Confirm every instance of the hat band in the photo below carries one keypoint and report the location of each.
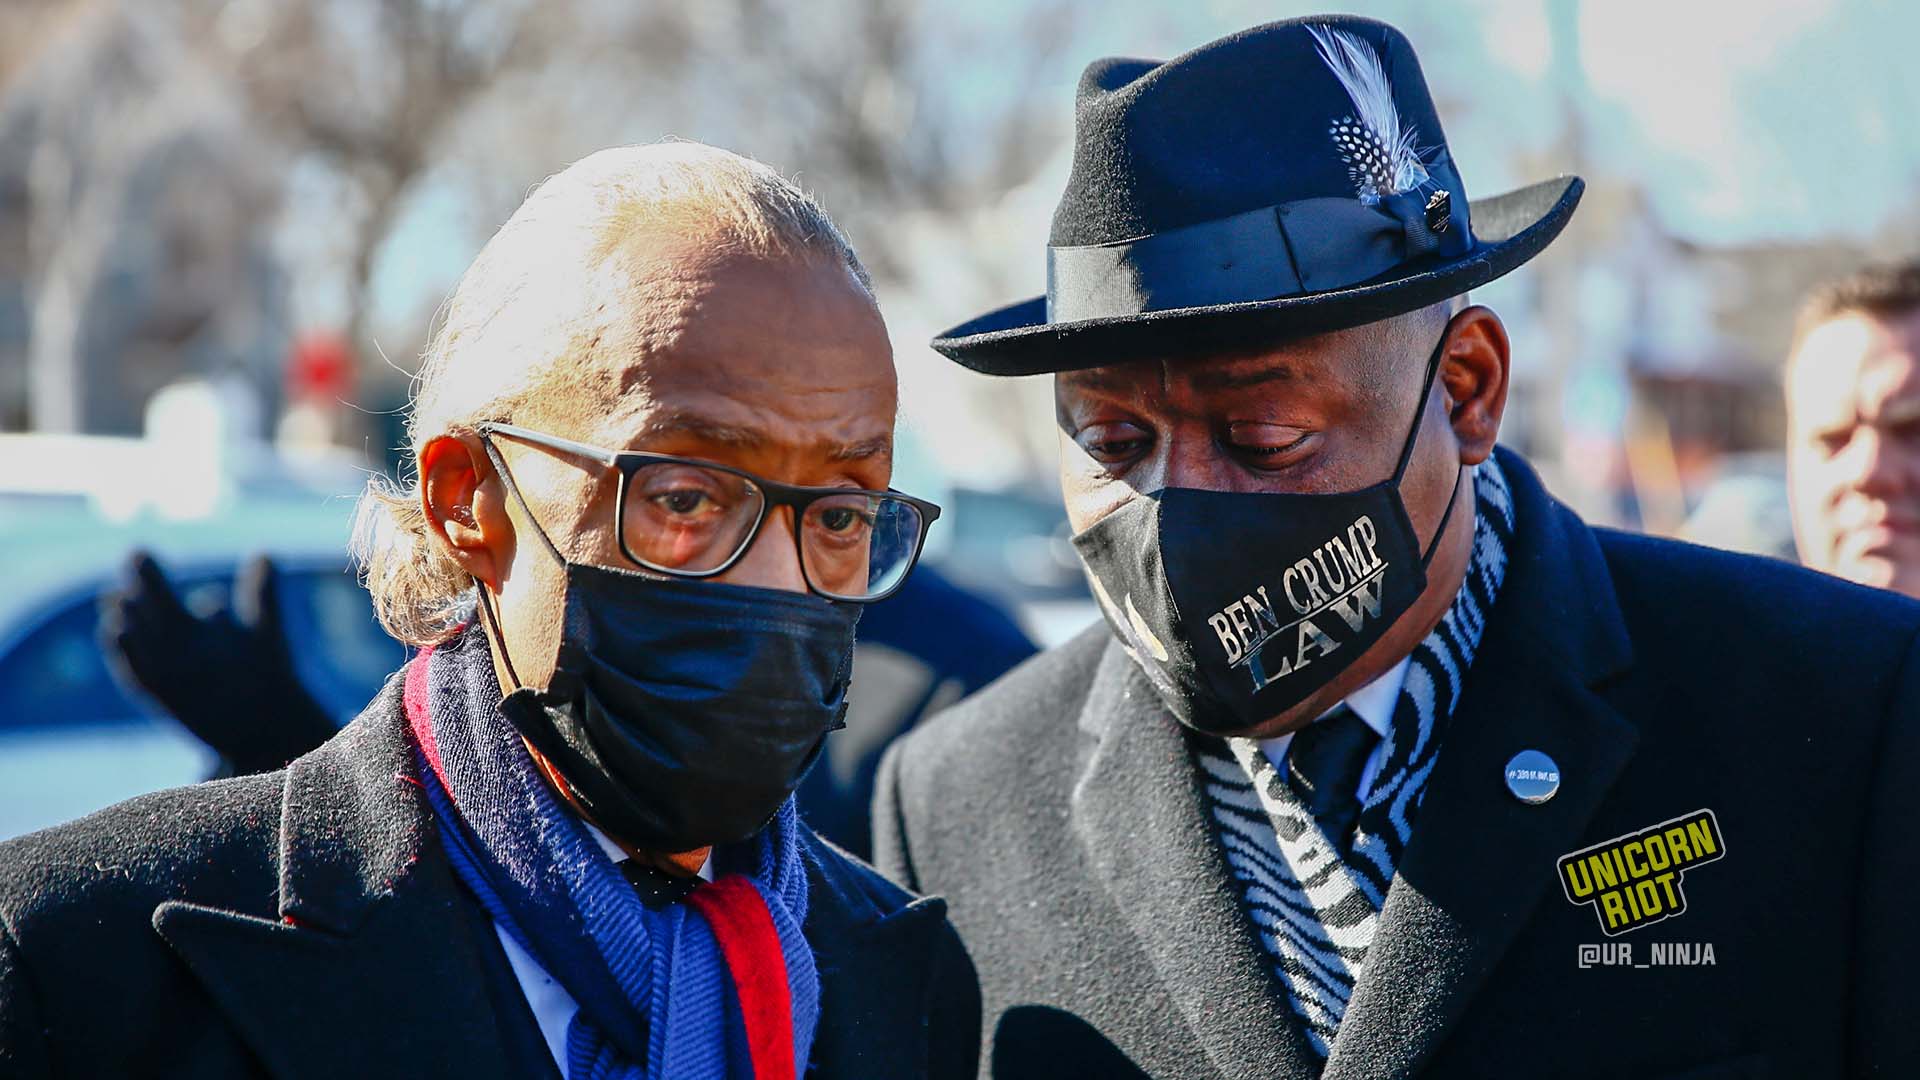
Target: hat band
(1306, 246)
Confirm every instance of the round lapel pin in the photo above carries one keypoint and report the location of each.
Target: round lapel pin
(1533, 777)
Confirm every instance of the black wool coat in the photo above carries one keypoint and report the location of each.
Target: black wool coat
(1059, 813)
(305, 924)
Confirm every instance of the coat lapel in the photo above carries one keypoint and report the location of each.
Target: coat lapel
(1139, 812)
(873, 1014)
(1480, 860)
(374, 955)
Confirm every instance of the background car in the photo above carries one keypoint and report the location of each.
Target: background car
(72, 737)
(1015, 545)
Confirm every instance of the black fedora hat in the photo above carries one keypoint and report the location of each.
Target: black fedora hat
(1291, 179)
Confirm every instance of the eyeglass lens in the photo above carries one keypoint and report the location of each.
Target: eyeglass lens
(692, 519)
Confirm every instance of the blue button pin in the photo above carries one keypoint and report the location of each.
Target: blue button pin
(1533, 777)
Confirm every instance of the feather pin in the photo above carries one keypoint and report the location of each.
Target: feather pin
(1382, 157)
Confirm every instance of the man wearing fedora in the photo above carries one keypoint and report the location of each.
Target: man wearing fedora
(1387, 764)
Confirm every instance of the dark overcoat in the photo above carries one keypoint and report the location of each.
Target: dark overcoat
(1059, 814)
(305, 924)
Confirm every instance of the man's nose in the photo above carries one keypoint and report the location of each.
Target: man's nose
(773, 562)
(1196, 460)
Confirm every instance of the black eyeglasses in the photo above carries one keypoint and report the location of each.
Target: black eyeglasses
(694, 519)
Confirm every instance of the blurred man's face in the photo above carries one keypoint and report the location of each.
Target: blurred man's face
(1853, 455)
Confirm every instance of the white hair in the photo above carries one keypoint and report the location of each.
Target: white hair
(566, 279)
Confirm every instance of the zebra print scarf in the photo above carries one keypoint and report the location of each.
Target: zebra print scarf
(1314, 912)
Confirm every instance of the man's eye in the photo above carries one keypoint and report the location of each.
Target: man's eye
(684, 501)
(1109, 443)
(842, 519)
(1265, 442)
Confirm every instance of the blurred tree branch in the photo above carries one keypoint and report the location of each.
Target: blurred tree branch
(909, 119)
(372, 87)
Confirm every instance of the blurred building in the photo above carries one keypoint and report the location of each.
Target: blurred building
(1661, 355)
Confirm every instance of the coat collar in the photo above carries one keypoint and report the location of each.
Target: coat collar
(1479, 859)
(874, 947)
(1139, 812)
(373, 955)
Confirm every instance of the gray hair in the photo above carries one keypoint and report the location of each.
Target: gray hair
(564, 280)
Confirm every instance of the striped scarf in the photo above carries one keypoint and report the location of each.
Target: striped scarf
(1315, 912)
(720, 986)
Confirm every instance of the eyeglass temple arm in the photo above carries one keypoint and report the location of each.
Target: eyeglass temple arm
(555, 442)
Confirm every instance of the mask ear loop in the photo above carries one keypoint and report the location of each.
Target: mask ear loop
(1426, 559)
(493, 624)
(1413, 435)
(486, 603)
(513, 489)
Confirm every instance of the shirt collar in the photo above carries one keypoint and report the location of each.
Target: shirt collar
(619, 855)
(1373, 703)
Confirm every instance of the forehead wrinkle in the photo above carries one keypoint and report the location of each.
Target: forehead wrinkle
(668, 420)
(674, 421)
(1213, 378)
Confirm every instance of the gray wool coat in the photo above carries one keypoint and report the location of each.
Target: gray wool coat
(1059, 813)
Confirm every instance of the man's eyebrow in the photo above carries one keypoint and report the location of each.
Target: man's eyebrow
(1122, 378)
(1092, 379)
(678, 422)
(878, 446)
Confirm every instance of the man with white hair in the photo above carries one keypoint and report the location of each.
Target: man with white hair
(652, 441)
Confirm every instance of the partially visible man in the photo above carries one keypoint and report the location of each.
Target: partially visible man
(1385, 764)
(652, 442)
(1853, 428)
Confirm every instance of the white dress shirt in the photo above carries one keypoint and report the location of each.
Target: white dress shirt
(552, 1006)
(1374, 704)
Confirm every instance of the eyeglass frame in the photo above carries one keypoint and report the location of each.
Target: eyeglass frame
(773, 493)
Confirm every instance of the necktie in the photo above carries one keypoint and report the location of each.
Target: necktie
(1324, 763)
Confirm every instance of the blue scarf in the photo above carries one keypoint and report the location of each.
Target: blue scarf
(657, 995)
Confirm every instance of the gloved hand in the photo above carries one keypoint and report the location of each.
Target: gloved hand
(228, 677)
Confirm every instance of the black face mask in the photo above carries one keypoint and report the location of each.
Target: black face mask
(1239, 606)
(684, 713)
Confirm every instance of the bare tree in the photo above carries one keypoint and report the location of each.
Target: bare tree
(371, 87)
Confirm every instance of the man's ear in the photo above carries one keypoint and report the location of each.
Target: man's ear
(1473, 373)
(461, 499)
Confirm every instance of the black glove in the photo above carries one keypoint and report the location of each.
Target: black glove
(228, 677)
